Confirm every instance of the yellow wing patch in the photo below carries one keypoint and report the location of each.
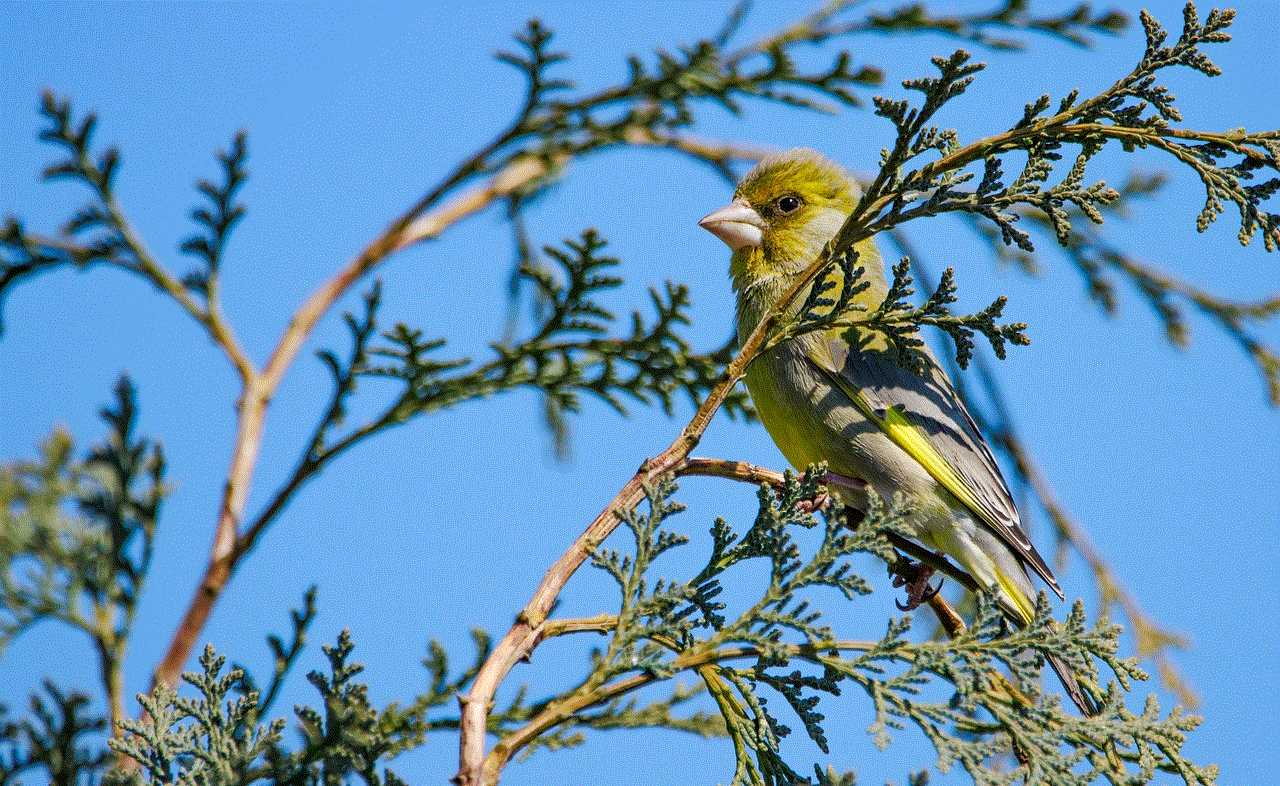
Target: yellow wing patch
(1025, 607)
(909, 438)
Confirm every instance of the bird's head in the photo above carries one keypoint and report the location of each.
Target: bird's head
(782, 214)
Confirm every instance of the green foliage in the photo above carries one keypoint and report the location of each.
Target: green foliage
(1136, 112)
(99, 232)
(57, 744)
(1072, 25)
(218, 221)
(284, 656)
(663, 628)
(896, 314)
(834, 20)
(1099, 262)
(221, 736)
(660, 97)
(897, 317)
(569, 352)
(85, 570)
(54, 562)
(209, 739)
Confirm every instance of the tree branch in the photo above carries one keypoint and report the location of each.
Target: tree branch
(520, 640)
(229, 544)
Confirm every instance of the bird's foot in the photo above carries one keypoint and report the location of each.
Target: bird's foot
(915, 577)
(814, 503)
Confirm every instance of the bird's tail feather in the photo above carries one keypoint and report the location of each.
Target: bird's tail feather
(1072, 686)
(1018, 607)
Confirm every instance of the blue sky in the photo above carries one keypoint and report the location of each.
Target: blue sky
(1167, 458)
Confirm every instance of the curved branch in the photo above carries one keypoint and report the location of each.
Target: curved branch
(692, 660)
(524, 636)
(229, 543)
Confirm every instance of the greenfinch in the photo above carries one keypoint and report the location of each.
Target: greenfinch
(839, 395)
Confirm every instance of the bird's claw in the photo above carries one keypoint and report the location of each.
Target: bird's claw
(915, 577)
(814, 503)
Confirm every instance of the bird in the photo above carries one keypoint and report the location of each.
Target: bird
(840, 396)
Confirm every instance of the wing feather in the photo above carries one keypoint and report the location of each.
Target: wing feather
(924, 416)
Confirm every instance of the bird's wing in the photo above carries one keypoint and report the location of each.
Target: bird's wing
(924, 416)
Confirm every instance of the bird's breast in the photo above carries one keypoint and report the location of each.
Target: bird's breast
(813, 421)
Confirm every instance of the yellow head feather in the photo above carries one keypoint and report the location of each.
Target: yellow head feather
(782, 214)
(802, 198)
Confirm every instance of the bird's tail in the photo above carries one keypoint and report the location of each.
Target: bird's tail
(1016, 604)
(1072, 686)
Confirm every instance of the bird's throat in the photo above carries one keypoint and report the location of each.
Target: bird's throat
(759, 286)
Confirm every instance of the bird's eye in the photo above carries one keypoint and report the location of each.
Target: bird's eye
(788, 204)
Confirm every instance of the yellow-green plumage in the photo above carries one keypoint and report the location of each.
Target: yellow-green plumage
(825, 397)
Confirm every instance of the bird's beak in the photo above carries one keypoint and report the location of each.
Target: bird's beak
(737, 224)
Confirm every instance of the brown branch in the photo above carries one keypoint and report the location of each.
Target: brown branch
(715, 152)
(520, 640)
(112, 678)
(229, 544)
(152, 270)
(601, 623)
(210, 318)
(730, 470)
(560, 712)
